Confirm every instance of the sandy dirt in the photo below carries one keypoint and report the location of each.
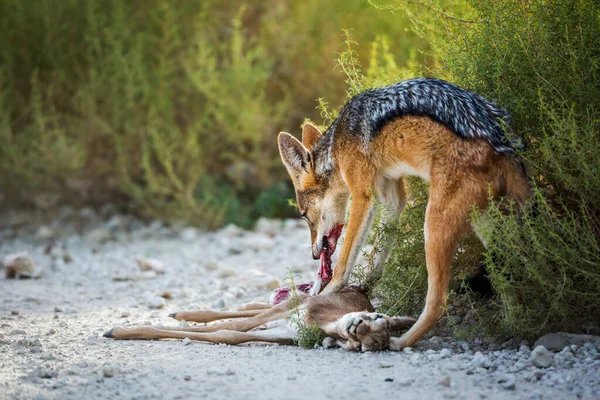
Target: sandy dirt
(51, 343)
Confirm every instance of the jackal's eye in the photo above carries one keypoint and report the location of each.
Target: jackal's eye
(303, 215)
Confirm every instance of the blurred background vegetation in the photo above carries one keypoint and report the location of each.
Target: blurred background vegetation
(170, 109)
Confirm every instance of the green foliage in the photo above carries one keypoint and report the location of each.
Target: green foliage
(309, 336)
(545, 269)
(169, 108)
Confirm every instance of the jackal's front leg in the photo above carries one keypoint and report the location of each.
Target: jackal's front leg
(361, 218)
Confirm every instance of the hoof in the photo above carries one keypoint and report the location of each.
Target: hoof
(172, 315)
(108, 333)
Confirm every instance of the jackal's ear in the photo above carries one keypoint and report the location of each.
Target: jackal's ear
(310, 135)
(401, 323)
(295, 156)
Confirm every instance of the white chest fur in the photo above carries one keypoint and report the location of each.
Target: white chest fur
(402, 169)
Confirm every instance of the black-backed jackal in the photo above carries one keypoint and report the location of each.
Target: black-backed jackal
(452, 138)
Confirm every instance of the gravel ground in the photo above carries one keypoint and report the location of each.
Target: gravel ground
(51, 344)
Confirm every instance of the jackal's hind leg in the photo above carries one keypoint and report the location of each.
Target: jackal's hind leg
(446, 219)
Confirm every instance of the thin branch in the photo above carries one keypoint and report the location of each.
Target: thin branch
(430, 8)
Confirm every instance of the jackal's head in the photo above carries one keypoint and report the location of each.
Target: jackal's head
(321, 196)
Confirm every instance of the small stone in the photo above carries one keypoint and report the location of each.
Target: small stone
(480, 360)
(211, 265)
(99, 235)
(187, 378)
(507, 382)
(227, 273)
(51, 331)
(436, 342)
(150, 264)
(446, 381)
(82, 364)
(218, 304)
(125, 314)
(17, 332)
(187, 341)
(416, 359)
(57, 252)
(146, 275)
(541, 357)
(388, 380)
(45, 373)
(156, 302)
(58, 309)
(20, 265)
(71, 310)
(166, 294)
(445, 353)
(36, 350)
(524, 349)
(559, 340)
(108, 372)
(510, 344)
(231, 231)
(14, 312)
(183, 324)
(44, 232)
(494, 347)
